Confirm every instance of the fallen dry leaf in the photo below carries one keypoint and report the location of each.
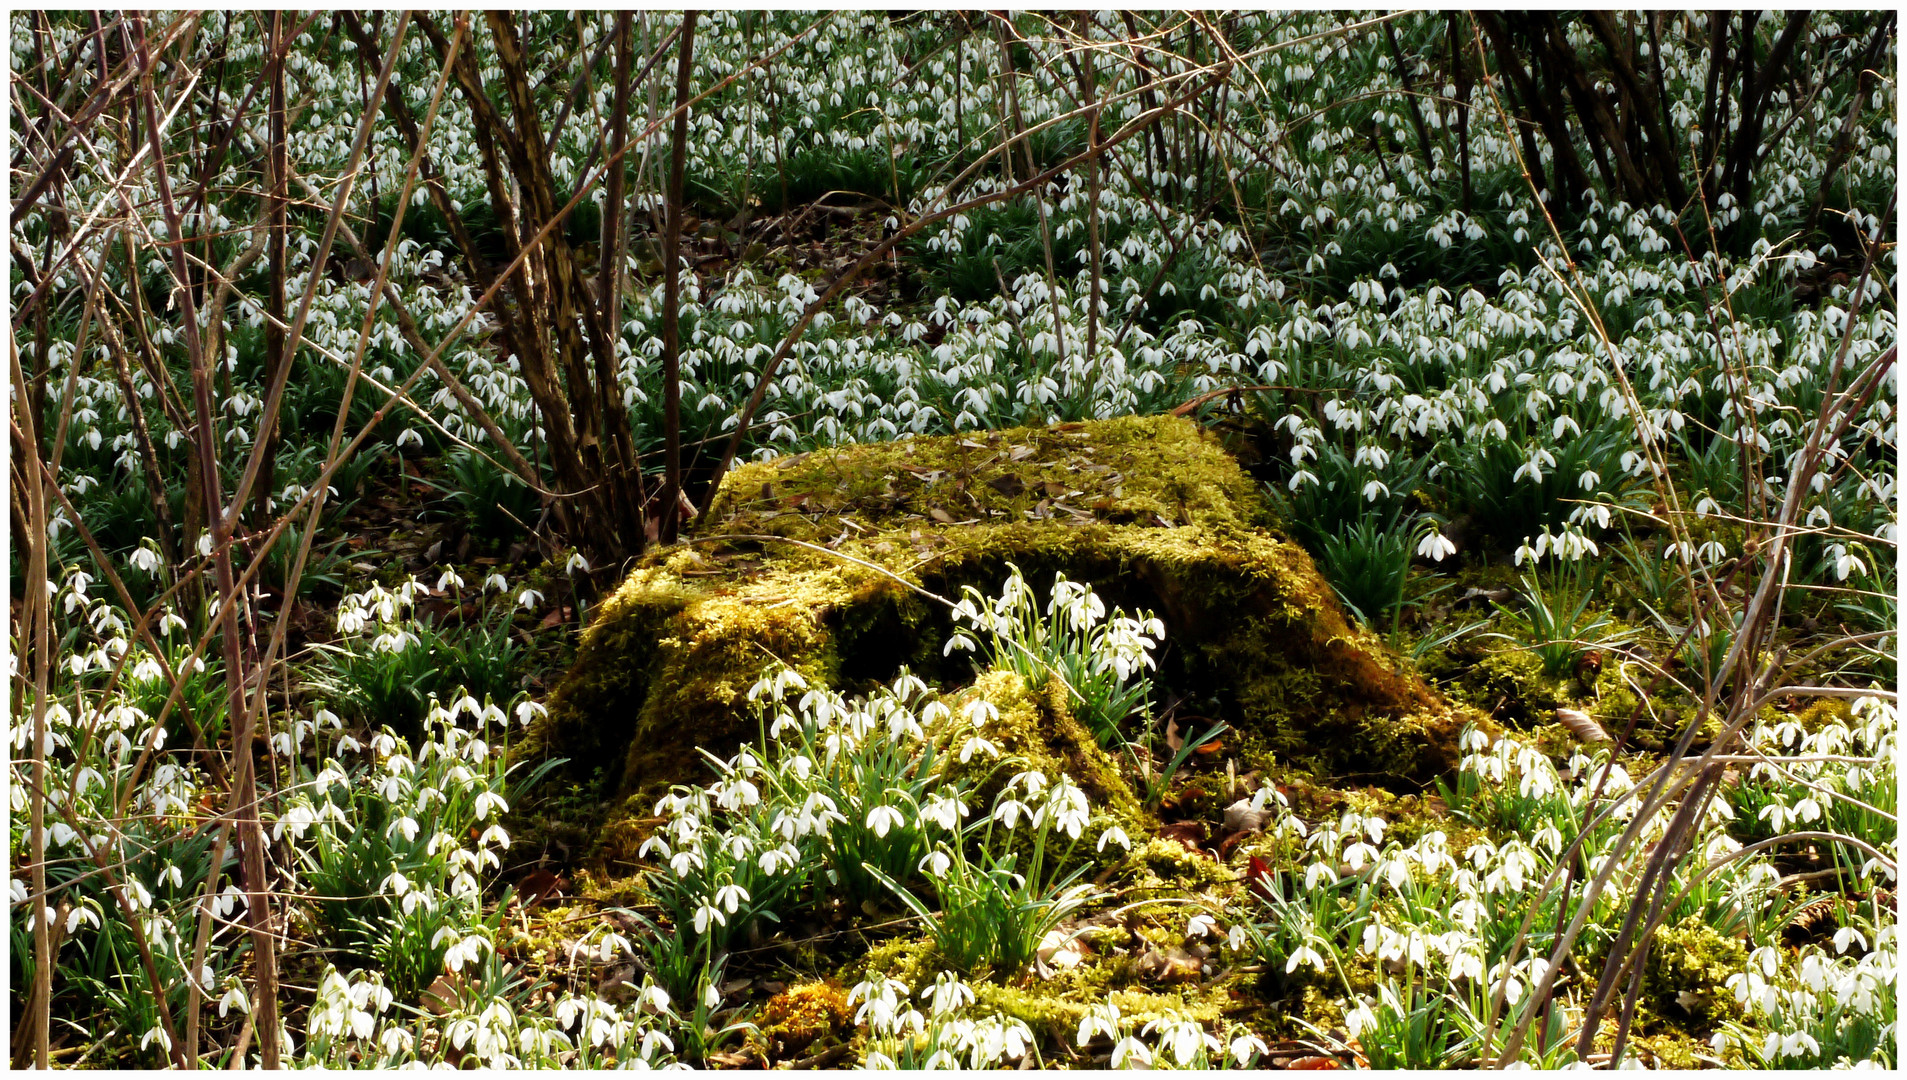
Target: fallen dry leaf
(1582, 725)
(1174, 965)
(1258, 878)
(1008, 485)
(444, 994)
(538, 886)
(1189, 833)
(1241, 818)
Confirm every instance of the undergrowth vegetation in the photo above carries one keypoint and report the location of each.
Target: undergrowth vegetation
(358, 355)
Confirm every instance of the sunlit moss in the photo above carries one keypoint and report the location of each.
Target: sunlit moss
(1688, 969)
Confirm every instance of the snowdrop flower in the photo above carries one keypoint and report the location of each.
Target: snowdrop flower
(882, 818)
(487, 803)
(1435, 546)
(1102, 1020)
(576, 564)
(235, 998)
(948, 994)
(528, 598)
(145, 559)
(1185, 1037)
(1114, 835)
(979, 712)
(1526, 551)
(1130, 1053)
(1304, 954)
(1009, 811)
(495, 583)
(1200, 925)
(977, 744)
(944, 811)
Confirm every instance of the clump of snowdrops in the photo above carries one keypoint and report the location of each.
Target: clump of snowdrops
(1100, 659)
(844, 800)
(1439, 927)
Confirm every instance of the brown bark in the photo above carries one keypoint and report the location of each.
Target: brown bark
(672, 293)
(1660, 150)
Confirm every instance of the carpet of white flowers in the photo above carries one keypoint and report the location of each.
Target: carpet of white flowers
(1424, 395)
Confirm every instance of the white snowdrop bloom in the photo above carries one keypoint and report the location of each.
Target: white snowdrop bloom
(234, 998)
(1304, 954)
(487, 803)
(1246, 1047)
(1009, 811)
(1185, 1037)
(1130, 1053)
(145, 559)
(979, 712)
(1435, 546)
(82, 913)
(883, 818)
(945, 811)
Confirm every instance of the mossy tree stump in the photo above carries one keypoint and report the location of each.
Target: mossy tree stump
(1150, 511)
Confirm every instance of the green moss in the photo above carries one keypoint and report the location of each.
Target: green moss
(1131, 470)
(1507, 683)
(911, 961)
(792, 1020)
(1055, 1006)
(1823, 713)
(1688, 969)
(1148, 511)
(1166, 864)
